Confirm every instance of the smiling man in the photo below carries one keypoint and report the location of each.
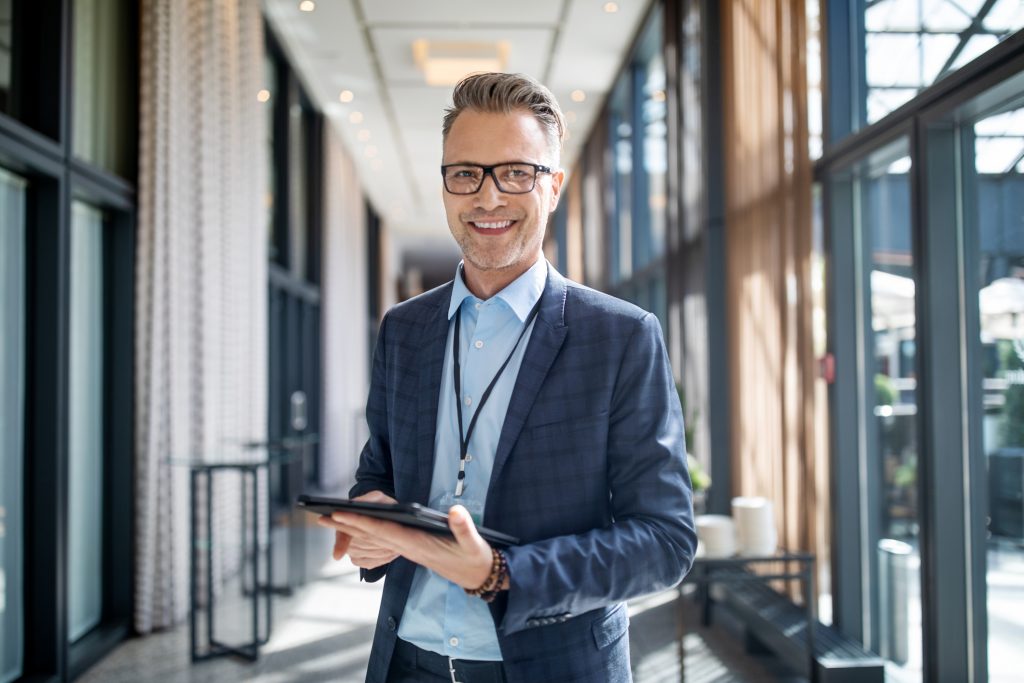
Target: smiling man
(516, 399)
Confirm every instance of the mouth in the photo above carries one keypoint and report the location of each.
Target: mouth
(491, 227)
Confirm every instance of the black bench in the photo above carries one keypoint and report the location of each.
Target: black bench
(779, 625)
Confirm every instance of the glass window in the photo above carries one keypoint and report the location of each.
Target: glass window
(12, 412)
(85, 422)
(103, 118)
(654, 112)
(910, 44)
(879, 192)
(891, 283)
(299, 167)
(621, 121)
(997, 182)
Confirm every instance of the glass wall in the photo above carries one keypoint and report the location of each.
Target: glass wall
(872, 198)
(12, 412)
(910, 44)
(85, 422)
(892, 394)
(638, 139)
(994, 186)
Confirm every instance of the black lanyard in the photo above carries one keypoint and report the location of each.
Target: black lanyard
(460, 486)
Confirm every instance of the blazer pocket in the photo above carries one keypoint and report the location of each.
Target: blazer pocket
(611, 627)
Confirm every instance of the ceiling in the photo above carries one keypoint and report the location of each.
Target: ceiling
(365, 47)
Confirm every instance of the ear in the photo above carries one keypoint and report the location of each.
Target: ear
(557, 178)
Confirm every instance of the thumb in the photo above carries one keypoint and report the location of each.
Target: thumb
(463, 528)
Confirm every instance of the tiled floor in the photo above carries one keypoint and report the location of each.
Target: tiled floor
(323, 634)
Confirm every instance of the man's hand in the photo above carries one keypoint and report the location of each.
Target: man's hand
(466, 561)
(363, 552)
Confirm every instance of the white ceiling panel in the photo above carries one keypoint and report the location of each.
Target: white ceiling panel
(461, 12)
(528, 48)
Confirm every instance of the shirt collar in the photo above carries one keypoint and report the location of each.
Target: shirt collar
(521, 295)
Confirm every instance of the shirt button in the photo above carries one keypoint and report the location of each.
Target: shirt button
(469, 458)
(468, 401)
(453, 641)
(478, 344)
(477, 306)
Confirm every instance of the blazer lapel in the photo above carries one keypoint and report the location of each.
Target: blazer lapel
(545, 342)
(431, 364)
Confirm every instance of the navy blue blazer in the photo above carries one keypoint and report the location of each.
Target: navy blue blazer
(590, 473)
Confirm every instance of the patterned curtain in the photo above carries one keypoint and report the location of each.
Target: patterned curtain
(776, 450)
(201, 320)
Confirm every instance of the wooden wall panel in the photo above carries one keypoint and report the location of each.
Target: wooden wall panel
(769, 240)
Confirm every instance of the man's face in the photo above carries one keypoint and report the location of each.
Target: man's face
(498, 231)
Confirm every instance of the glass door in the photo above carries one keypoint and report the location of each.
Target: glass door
(994, 194)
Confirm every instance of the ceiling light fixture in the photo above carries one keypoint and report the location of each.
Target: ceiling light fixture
(307, 5)
(611, 7)
(363, 135)
(446, 63)
(263, 95)
(346, 96)
(355, 117)
(578, 95)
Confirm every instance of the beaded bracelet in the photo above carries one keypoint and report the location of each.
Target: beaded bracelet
(491, 586)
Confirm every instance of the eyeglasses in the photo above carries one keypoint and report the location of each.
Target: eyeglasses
(513, 178)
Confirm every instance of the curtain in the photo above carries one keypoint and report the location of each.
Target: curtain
(345, 319)
(776, 451)
(200, 342)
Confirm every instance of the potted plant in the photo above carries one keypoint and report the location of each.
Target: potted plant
(699, 478)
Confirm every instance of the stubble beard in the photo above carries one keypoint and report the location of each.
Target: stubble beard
(496, 258)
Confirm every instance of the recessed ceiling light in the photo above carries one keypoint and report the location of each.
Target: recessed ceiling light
(355, 117)
(307, 5)
(611, 7)
(263, 95)
(570, 116)
(346, 96)
(363, 135)
(578, 95)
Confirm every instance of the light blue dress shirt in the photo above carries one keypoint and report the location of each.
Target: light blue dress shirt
(439, 616)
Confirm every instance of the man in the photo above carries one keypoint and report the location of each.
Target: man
(515, 399)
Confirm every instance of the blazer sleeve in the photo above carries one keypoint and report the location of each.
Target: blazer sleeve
(374, 472)
(651, 542)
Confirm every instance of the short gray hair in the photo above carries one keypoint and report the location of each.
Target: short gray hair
(501, 93)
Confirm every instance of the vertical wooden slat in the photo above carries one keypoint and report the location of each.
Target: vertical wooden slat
(768, 177)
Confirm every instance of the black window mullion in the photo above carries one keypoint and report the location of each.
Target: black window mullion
(945, 549)
(844, 410)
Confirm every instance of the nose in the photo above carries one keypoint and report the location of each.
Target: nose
(489, 196)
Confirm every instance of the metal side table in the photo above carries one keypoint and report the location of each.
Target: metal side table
(202, 474)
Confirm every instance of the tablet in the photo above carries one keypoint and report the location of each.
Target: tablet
(410, 514)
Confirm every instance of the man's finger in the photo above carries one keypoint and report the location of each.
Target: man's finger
(341, 543)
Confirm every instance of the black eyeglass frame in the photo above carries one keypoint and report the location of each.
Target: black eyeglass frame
(538, 169)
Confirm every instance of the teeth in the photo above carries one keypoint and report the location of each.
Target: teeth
(494, 226)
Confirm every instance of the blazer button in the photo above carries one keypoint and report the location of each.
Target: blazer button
(392, 624)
